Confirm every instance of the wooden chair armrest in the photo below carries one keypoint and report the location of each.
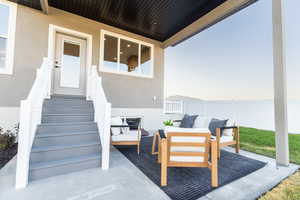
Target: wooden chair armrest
(177, 120)
(229, 127)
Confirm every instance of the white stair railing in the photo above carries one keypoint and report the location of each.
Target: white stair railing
(102, 109)
(30, 117)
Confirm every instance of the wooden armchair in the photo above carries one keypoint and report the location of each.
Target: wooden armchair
(188, 150)
(132, 138)
(226, 140)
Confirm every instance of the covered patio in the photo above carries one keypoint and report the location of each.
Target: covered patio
(172, 22)
(168, 23)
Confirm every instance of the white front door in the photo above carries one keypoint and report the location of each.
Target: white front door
(70, 65)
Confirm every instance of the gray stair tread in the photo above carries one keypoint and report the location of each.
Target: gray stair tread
(69, 114)
(67, 123)
(68, 96)
(48, 164)
(45, 135)
(59, 147)
(68, 99)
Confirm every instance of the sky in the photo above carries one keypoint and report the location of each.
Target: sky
(233, 60)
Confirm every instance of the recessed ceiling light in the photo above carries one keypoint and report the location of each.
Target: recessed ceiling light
(128, 45)
(115, 58)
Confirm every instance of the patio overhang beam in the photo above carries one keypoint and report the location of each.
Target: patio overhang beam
(45, 6)
(216, 15)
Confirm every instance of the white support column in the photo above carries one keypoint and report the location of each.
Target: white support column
(280, 85)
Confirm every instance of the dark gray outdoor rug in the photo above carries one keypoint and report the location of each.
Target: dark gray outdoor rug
(189, 183)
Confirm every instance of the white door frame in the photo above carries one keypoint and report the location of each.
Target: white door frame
(53, 29)
(58, 88)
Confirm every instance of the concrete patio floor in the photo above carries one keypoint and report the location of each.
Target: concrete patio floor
(255, 184)
(125, 181)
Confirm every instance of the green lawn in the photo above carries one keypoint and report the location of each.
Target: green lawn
(263, 142)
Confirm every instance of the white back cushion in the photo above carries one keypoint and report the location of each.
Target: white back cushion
(229, 132)
(116, 121)
(202, 122)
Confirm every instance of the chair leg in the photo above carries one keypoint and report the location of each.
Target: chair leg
(138, 148)
(159, 150)
(218, 140)
(237, 147)
(214, 164)
(218, 151)
(153, 152)
(164, 166)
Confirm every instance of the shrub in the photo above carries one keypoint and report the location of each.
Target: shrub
(168, 123)
(8, 137)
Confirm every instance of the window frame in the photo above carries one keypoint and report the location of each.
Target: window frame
(10, 45)
(119, 37)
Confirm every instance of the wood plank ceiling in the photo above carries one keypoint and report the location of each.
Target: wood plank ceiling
(156, 19)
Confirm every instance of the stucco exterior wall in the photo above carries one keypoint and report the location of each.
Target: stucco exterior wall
(31, 45)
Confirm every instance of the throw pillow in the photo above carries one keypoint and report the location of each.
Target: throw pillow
(188, 121)
(133, 123)
(216, 123)
(125, 130)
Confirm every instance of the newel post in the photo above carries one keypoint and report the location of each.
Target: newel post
(24, 137)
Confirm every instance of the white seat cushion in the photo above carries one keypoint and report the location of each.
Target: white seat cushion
(187, 158)
(224, 138)
(131, 136)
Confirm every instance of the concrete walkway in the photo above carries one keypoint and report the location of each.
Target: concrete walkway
(125, 181)
(122, 181)
(255, 184)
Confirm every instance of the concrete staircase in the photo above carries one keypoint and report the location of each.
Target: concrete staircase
(67, 139)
